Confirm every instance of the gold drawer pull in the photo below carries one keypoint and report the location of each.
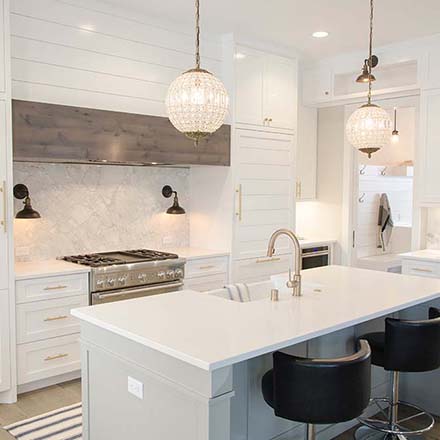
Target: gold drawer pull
(211, 266)
(419, 269)
(55, 318)
(55, 288)
(57, 356)
(268, 260)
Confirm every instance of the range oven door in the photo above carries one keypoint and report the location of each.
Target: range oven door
(315, 257)
(135, 292)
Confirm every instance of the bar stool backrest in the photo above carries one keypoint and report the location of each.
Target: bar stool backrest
(321, 391)
(413, 346)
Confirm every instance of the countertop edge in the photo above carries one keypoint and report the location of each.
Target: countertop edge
(250, 354)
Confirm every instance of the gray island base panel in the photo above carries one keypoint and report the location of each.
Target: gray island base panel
(197, 376)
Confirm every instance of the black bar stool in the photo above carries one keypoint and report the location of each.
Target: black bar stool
(319, 391)
(405, 346)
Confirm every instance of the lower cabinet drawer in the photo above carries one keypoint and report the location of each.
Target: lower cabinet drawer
(44, 359)
(48, 319)
(210, 282)
(38, 289)
(206, 266)
(259, 269)
(421, 268)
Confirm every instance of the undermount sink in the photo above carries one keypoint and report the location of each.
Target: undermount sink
(262, 290)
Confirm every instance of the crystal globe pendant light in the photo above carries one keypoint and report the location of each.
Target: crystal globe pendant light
(197, 101)
(369, 127)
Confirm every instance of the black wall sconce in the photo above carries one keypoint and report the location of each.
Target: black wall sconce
(21, 192)
(167, 192)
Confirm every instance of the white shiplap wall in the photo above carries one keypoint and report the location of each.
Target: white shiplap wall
(400, 194)
(90, 54)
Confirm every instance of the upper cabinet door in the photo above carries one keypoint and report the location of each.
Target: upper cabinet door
(2, 47)
(4, 266)
(430, 141)
(317, 85)
(266, 90)
(280, 92)
(249, 87)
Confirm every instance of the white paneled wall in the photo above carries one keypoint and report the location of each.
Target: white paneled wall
(400, 193)
(87, 54)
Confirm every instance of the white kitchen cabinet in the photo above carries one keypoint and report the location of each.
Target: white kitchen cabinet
(203, 274)
(317, 85)
(4, 256)
(264, 193)
(3, 22)
(431, 78)
(47, 334)
(306, 153)
(429, 146)
(5, 355)
(266, 90)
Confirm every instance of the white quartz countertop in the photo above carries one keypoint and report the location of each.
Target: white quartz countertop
(191, 253)
(47, 268)
(423, 255)
(211, 332)
(305, 242)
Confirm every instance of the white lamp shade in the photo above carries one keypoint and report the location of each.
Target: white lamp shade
(197, 103)
(369, 128)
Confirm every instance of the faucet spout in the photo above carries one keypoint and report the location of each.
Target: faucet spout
(294, 282)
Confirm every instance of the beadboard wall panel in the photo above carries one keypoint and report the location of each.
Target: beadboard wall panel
(84, 54)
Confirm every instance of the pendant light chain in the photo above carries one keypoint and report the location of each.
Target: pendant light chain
(198, 34)
(368, 128)
(370, 55)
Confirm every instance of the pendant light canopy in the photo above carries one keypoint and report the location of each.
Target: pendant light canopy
(368, 128)
(197, 101)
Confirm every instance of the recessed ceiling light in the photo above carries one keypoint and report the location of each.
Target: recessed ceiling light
(239, 55)
(320, 34)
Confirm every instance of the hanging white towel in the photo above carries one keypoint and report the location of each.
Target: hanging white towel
(238, 292)
(385, 222)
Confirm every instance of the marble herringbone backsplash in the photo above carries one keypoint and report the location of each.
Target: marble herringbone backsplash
(90, 208)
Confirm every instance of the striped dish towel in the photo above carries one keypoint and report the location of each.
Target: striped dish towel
(61, 424)
(238, 292)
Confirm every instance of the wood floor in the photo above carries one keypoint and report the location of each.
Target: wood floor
(48, 399)
(39, 402)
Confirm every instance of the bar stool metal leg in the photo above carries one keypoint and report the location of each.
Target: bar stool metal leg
(311, 434)
(391, 427)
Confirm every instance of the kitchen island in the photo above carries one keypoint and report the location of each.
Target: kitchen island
(177, 363)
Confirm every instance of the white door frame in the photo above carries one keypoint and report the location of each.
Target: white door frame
(350, 186)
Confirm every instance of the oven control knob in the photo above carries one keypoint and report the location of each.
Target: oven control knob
(111, 282)
(122, 280)
(142, 277)
(161, 275)
(170, 274)
(179, 273)
(100, 284)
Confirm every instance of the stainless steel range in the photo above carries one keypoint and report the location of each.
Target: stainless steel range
(116, 276)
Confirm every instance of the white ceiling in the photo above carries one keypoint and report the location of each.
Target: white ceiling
(290, 22)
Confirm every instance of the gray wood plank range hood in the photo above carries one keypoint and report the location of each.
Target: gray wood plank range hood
(56, 133)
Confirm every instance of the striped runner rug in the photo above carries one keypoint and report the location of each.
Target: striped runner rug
(61, 424)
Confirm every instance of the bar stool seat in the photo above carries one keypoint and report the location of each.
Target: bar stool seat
(319, 391)
(405, 346)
